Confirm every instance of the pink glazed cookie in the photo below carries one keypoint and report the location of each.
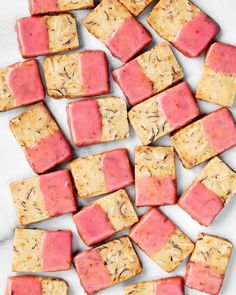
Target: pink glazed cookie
(184, 25)
(42, 35)
(42, 197)
(37, 250)
(115, 26)
(20, 85)
(40, 138)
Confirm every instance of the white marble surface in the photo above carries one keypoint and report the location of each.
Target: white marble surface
(13, 165)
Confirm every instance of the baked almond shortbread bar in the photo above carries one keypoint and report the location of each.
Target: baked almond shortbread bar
(20, 84)
(107, 265)
(115, 26)
(44, 7)
(155, 176)
(40, 138)
(208, 194)
(218, 80)
(148, 74)
(78, 74)
(42, 35)
(161, 240)
(205, 138)
(102, 173)
(36, 250)
(42, 197)
(208, 263)
(107, 120)
(136, 7)
(163, 113)
(35, 285)
(105, 217)
(183, 24)
(166, 286)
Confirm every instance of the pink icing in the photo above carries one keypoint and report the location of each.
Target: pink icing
(94, 73)
(133, 82)
(93, 274)
(178, 105)
(24, 81)
(222, 58)
(220, 130)
(152, 231)
(32, 36)
(196, 35)
(201, 203)
(49, 152)
(170, 286)
(58, 193)
(117, 169)
(128, 40)
(40, 7)
(203, 277)
(23, 285)
(56, 250)
(154, 191)
(93, 225)
(82, 132)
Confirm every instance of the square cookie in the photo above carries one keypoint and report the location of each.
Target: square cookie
(136, 7)
(40, 138)
(208, 263)
(205, 138)
(78, 74)
(115, 26)
(218, 80)
(161, 240)
(102, 173)
(148, 74)
(43, 7)
(105, 217)
(36, 250)
(107, 120)
(207, 195)
(35, 285)
(43, 197)
(42, 35)
(166, 286)
(20, 85)
(155, 176)
(164, 113)
(184, 25)
(107, 265)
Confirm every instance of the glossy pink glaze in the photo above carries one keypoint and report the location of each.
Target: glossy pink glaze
(32, 36)
(128, 40)
(56, 250)
(93, 274)
(179, 105)
(85, 122)
(57, 193)
(220, 130)
(170, 286)
(195, 36)
(23, 285)
(24, 81)
(201, 203)
(154, 191)
(221, 58)
(203, 277)
(48, 152)
(94, 73)
(117, 169)
(93, 224)
(133, 82)
(42, 7)
(152, 231)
